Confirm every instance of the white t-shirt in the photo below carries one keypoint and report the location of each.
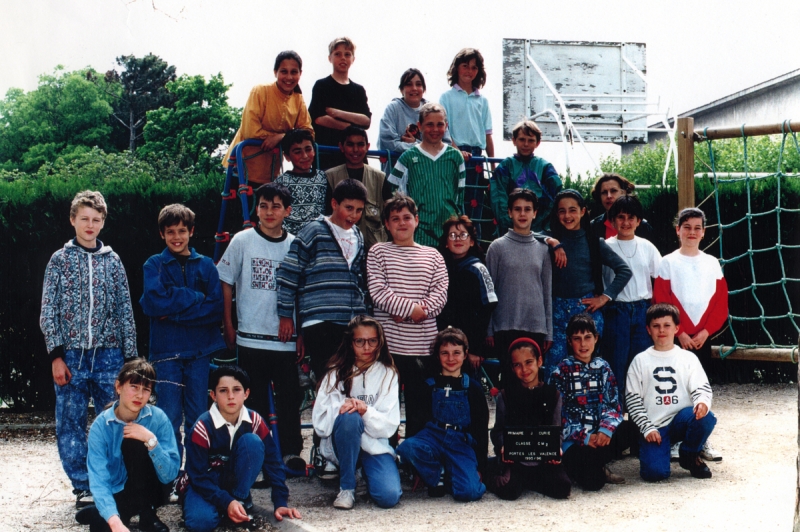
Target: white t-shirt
(250, 264)
(643, 259)
(347, 240)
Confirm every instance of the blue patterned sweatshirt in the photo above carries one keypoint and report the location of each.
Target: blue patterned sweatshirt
(591, 403)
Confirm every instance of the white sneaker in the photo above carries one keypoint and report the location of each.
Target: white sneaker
(329, 471)
(345, 500)
(709, 454)
(674, 452)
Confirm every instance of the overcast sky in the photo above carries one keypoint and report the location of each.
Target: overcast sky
(697, 50)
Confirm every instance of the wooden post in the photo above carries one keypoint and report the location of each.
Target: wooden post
(685, 141)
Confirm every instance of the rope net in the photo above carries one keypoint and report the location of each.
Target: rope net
(758, 240)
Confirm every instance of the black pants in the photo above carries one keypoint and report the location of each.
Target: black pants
(548, 479)
(321, 341)
(585, 464)
(412, 372)
(142, 492)
(280, 368)
(503, 339)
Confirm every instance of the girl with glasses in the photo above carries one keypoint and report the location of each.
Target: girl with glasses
(356, 411)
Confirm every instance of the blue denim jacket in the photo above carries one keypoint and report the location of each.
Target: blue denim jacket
(107, 473)
(185, 312)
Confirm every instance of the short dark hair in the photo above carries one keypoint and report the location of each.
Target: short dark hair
(465, 55)
(523, 194)
(350, 189)
(175, 214)
(451, 336)
(353, 131)
(624, 184)
(287, 54)
(228, 370)
(662, 310)
(454, 221)
(690, 212)
(295, 136)
(580, 323)
(627, 205)
(274, 190)
(396, 204)
(522, 343)
(528, 127)
(408, 75)
(137, 371)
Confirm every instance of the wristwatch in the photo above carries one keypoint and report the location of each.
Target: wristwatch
(151, 443)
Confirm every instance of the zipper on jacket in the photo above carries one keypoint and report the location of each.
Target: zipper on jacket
(91, 299)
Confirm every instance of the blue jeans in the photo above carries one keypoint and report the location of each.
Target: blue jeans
(625, 337)
(236, 478)
(693, 433)
(182, 391)
(383, 479)
(473, 197)
(563, 310)
(433, 447)
(94, 372)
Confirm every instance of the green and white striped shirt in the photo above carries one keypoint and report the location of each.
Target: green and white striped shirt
(436, 183)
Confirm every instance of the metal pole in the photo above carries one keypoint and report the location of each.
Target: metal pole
(685, 141)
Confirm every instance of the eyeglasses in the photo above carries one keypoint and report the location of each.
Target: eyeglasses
(458, 236)
(359, 342)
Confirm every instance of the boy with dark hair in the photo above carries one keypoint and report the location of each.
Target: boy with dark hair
(87, 321)
(250, 264)
(524, 170)
(226, 449)
(338, 102)
(662, 381)
(354, 145)
(183, 298)
(408, 285)
(322, 278)
(309, 188)
(521, 269)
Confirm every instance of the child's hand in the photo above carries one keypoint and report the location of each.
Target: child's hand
(546, 345)
(271, 141)
(300, 347)
(229, 333)
(686, 341)
(560, 258)
(134, 431)
(467, 155)
(285, 329)
(700, 410)
(116, 524)
(236, 512)
(418, 313)
(283, 511)
(61, 373)
(699, 339)
(490, 341)
(503, 456)
(475, 361)
(598, 439)
(595, 303)
(653, 437)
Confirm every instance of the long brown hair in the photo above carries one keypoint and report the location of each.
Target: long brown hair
(343, 362)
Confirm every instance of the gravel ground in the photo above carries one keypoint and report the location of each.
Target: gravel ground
(753, 488)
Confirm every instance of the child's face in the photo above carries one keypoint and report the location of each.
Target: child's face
(522, 215)
(433, 127)
(347, 213)
(452, 358)
(525, 366)
(626, 225)
(570, 213)
(342, 59)
(401, 225)
(177, 238)
(691, 232)
(288, 75)
(229, 396)
(413, 92)
(366, 353)
(301, 156)
(609, 192)
(132, 397)
(354, 149)
(87, 223)
(582, 344)
(467, 73)
(525, 143)
(458, 247)
(662, 331)
(271, 214)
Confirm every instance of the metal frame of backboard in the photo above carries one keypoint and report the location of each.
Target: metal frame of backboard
(579, 90)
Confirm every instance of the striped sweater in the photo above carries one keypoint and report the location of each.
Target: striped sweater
(661, 383)
(316, 274)
(399, 277)
(436, 182)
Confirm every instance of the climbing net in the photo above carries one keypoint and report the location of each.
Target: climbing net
(758, 225)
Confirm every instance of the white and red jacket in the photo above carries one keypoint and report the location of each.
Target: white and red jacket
(696, 286)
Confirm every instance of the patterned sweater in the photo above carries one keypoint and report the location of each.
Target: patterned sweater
(591, 403)
(311, 195)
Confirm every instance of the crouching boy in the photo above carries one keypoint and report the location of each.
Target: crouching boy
(669, 399)
(228, 447)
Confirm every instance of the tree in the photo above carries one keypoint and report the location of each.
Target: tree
(143, 84)
(66, 113)
(193, 130)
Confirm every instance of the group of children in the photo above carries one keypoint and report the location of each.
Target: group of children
(331, 248)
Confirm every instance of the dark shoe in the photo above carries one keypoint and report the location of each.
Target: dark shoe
(294, 462)
(692, 461)
(437, 491)
(83, 498)
(151, 523)
(86, 515)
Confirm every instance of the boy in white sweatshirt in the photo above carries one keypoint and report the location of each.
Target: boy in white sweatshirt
(669, 399)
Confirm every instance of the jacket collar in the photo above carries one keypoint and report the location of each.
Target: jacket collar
(111, 417)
